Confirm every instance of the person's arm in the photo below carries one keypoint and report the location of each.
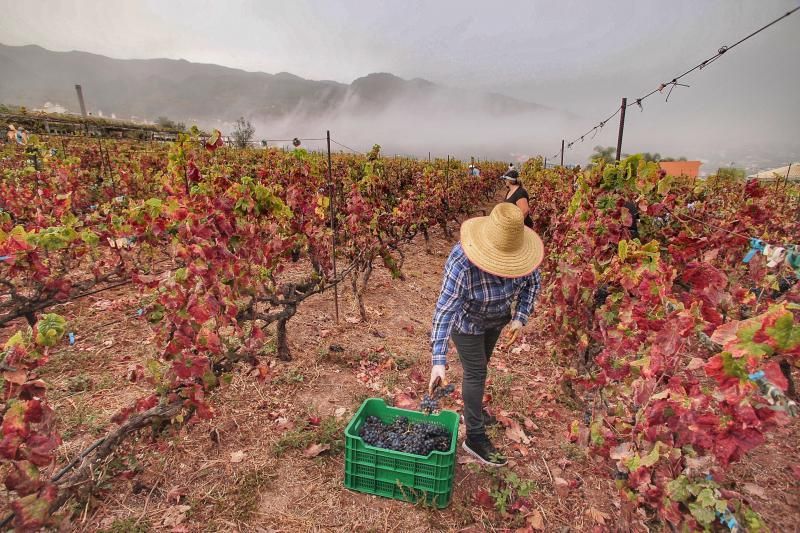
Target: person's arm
(450, 300)
(527, 297)
(522, 203)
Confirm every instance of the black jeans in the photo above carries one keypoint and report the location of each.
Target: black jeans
(474, 352)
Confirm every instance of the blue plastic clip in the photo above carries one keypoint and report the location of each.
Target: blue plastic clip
(139, 312)
(71, 338)
(4, 257)
(728, 519)
(756, 245)
(793, 258)
(755, 376)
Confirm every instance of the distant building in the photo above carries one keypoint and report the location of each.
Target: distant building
(779, 174)
(689, 169)
(50, 107)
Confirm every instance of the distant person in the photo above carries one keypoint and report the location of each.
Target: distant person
(517, 195)
(474, 171)
(21, 136)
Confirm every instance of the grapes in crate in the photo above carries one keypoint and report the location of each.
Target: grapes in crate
(429, 403)
(419, 438)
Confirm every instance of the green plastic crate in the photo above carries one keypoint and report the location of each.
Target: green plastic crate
(399, 475)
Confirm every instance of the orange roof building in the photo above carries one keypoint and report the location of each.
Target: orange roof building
(690, 169)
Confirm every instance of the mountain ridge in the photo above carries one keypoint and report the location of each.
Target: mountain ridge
(209, 94)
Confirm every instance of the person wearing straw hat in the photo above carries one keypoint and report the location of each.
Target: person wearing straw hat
(492, 268)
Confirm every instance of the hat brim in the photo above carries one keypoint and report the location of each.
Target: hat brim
(481, 252)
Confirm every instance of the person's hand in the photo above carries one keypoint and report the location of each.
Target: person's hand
(514, 329)
(437, 377)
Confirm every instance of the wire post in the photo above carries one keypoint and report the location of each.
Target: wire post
(332, 203)
(621, 128)
(447, 175)
(562, 152)
(786, 181)
(545, 163)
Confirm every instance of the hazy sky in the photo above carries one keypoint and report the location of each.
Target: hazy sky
(580, 56)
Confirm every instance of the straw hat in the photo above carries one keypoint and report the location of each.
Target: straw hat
(500, 244)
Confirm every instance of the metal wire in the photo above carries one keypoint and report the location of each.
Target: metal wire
(674, 82)
(347, 147)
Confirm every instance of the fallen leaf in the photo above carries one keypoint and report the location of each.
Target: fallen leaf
(562, 486)
(174, 515)
(700, 464)
(484, 499)
(175, 495)
(237, 457)
(623, 451)
(282, 424)
(515, 433)
(340, 412)
(754, 490)
(315, 449)
(710, 255)
(17, 377)
(695, 363)
(796, 471)
(404, 401)
(535, 520)
(417, 377)
(352, 319)
(599, 517)
(504, 419)
(314, 420)
(529, 425)
(263, 373)
(523, 450)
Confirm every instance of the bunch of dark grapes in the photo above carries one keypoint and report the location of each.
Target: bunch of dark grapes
(420, 438)
(430, 404)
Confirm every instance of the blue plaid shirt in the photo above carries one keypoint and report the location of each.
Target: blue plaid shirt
(473, 301)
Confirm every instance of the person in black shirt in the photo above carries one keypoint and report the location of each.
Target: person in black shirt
(517, 195)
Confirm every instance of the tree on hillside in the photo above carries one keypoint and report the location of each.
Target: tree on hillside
(603, 154)
(656, 157)
(169, 124)
(730, 173)
(243, 133)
